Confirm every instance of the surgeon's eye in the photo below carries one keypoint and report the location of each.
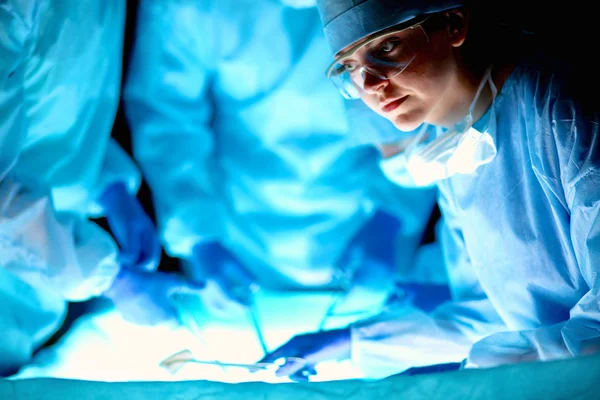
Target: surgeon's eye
(351, 67)
(389, 49)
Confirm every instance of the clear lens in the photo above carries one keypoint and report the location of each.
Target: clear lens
(346, 86)
(383, 57)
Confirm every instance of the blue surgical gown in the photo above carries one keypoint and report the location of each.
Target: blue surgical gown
(60, 73)
(243, 140)
(521, 240)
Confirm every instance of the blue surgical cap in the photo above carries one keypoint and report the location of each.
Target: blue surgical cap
(347, 21)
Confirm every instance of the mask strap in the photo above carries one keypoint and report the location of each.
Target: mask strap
(492, 87)
(487, 77)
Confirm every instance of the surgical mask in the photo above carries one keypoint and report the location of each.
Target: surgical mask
(299, 3)
(460, 150)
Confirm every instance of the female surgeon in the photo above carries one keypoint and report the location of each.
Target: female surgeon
(511, 141)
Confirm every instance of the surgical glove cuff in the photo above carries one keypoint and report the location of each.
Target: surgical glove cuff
(113, 196)
(206, 256)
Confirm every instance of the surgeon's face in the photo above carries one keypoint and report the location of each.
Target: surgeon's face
(428, 90)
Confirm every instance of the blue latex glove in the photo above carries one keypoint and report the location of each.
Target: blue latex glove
(426, 297)
(132, 228)
(144, 298)
(229, 286)
(313, 348)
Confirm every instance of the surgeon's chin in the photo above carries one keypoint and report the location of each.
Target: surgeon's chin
(407, 122)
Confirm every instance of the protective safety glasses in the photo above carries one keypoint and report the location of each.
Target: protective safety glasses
(382, 57)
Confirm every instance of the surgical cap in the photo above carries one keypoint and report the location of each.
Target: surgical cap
(347, 21)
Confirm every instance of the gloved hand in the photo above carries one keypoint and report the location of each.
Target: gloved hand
(132, 228)
(313, 348)
(144, 298)
(426, 297)
(229, 286)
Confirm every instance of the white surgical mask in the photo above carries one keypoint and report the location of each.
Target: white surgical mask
(394, 167)
(460, 150)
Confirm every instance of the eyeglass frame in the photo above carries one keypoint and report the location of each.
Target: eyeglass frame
(388, 31)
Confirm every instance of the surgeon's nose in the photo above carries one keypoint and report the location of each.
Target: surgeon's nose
(372, 82)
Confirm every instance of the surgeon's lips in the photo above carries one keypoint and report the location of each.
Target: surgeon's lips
(392, 105)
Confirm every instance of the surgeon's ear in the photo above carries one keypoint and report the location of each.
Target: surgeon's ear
(456, 26)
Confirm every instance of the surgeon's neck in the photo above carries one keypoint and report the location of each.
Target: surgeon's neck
(459, 96)
(462, 91)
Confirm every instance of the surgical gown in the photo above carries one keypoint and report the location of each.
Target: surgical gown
(243, 140)
(60, 72)
(521, 241)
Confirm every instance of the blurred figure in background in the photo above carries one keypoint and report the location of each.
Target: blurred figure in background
(259, 178)
(60, 74)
